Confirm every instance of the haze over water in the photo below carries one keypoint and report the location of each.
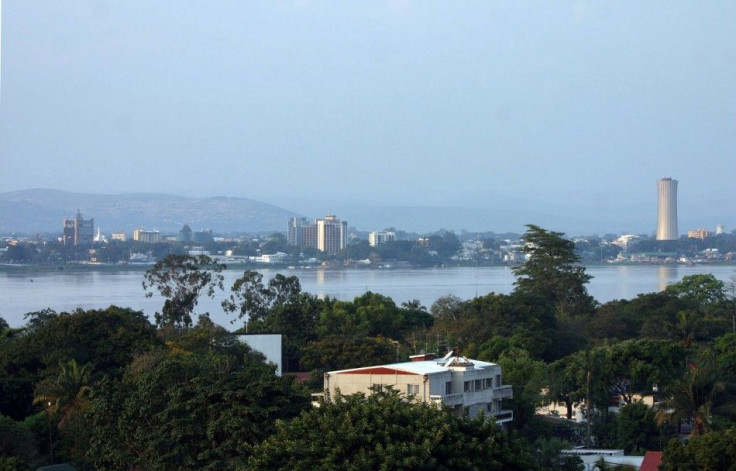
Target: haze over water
(24, 292)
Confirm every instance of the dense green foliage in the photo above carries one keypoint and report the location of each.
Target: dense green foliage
(188, 411)
(385, 432)
(715, 451)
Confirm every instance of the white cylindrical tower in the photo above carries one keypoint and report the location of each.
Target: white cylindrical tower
(667, 209)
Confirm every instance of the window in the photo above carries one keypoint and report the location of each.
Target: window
(478, 384)
(487, 383)
(468, 386)
(448, 387)
(412, 389)
(498, 381)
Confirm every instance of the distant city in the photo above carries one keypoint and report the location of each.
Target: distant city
(330, 241)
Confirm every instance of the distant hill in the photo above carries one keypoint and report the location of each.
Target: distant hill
(41, 210)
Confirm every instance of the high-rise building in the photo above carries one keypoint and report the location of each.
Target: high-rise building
(667, 209)
(329, 235)
(294, 231)
(332, 234)
(78, 231)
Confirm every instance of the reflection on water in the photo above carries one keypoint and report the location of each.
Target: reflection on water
(667, 274)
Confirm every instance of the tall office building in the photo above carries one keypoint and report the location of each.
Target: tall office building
(332, 234)
(329, 235)
(667, 209)
(78, 231)
(294, 231)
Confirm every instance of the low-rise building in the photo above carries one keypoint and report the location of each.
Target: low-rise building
(461, 384)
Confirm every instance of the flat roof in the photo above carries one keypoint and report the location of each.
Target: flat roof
(422, 367)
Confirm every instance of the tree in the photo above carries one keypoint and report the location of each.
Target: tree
(190, 412)
(693, 396)
(632, 367)
(714, 451)
(383, 431)
(250, 298)
(552, 271)
(528, 377)
(636, 429)
(68, 394)
(106, 338)
(338, 352)
(181, 279)
(549, 455)
(701, 290)
(18, 447)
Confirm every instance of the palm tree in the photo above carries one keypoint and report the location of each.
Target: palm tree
(68, 393)
(414, 305)
(693, 397)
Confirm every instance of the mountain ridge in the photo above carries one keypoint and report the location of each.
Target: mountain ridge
(43, 210)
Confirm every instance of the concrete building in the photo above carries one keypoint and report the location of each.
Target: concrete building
(294, 231)
(332, 234)
(149, 237)
(463, 385)
(698, 234)
(377, 238)
(78, 231)
(329, 235)
(185, 234)
(719, 229)
(667, 209)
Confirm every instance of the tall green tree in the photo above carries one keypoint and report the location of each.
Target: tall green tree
(714, 451)
(67, 394)
(552, 270)
(693, 396)
(181, 280)
(196, 411)
(385, 432)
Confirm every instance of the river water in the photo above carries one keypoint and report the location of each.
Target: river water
(28, 291)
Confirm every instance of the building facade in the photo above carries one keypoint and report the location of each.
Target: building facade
(667, 209)
(329, 235)
(294, 231)
(78, 231)
(148, 237)
(701, 234)
(332, 234)
(461, 384)
(377, 238)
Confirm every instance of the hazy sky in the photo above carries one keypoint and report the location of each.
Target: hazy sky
(574, 108)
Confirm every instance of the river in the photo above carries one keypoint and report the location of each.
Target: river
(26, 291)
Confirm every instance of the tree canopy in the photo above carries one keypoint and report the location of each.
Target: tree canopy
(385, 432)
(552, 270)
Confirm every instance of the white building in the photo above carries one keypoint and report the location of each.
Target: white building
(463, 385)
(377, 238)
(149, 237)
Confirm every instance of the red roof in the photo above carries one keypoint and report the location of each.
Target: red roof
(376, 370)
(652, 460)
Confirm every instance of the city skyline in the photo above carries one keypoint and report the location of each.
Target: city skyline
(560, 114)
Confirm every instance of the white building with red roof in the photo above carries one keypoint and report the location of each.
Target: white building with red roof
(461, 384)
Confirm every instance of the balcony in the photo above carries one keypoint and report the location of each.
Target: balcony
(448, 399)
(504, 392)
(503, 416)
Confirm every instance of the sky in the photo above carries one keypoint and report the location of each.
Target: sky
(569, 108)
